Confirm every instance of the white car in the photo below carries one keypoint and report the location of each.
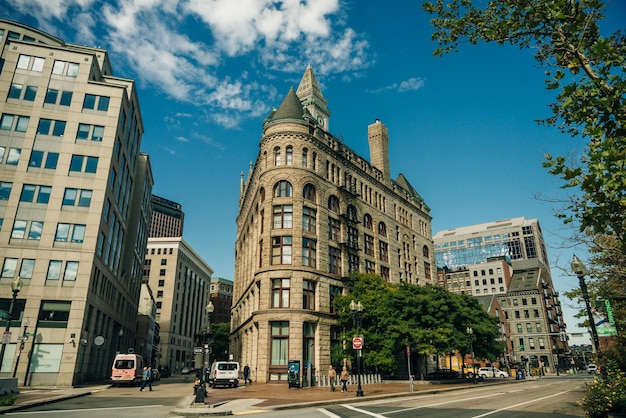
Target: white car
(592, 368)
(485, 372)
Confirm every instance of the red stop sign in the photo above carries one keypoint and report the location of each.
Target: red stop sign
(357, 343)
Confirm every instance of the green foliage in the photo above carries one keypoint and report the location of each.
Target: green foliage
(428, 318)
(220, 344)
(585, 68)
(607, 393)
(8, 400)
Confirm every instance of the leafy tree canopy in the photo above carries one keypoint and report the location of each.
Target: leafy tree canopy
(429, 319)
(585, 68)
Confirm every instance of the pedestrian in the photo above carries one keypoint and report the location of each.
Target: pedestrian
(344, 379)
(146, 378)
(246, 374)
(332, 375)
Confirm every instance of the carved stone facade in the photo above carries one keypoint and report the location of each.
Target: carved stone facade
(311, 212)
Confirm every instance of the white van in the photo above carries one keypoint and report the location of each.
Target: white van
(127, 369)
(224, 373)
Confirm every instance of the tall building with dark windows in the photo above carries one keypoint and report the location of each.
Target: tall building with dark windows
(74, 207)
(507, 260)
(311, 212)
(167, 218)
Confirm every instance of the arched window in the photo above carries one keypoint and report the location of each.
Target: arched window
(309, 192)
(367, 222)
(314, 161)
(333, 203)
(382, 229)
(289, 156)
(283, 189)
(352, 213)
(262, 194)
(425, 251)
(276, 156)
(305, 156)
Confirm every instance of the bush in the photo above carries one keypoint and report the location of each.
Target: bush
(8, 400)
(607, 393)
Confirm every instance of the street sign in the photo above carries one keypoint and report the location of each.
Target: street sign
(357, 343)
(6, 337)
(208, 350)
(197, 350)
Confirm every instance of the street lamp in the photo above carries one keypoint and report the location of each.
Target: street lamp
(470, 333)
(120, 334)
(580, 270)
(16, 286)
(201, 389)
(357, 316)
(19, 351)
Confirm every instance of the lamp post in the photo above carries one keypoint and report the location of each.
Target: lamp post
(19, 351)
(16, 286)
(470, 333)
(201, 389)
(580, 270)
(357, 315)
(120, 334)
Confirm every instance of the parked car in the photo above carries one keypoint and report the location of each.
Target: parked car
(224, 373)
(592, 368)
(443, 374)
(485, 372)
(156, 375)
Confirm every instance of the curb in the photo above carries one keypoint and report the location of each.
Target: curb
(46, 401)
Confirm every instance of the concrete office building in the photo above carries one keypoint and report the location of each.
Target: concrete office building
(311, 212)
(508, 259)
(74, 207)
(180, 280)
(167, 218)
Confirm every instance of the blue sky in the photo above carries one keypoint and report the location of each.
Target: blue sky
(462, 127)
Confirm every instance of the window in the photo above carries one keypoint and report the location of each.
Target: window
(529, 327)
(161, 272)
(45, 125)
(68, 69)
(283, 216)
(90, 132)
(77, 197)
(383, 251)
(308, 343)
(289, 155)
(49, 159)
(283, 189)
(538, 326)
(368, 240)
(5, 190)
(34, 232)
(353, 238)
(353, 263)
(276, 156)
(15, 91)
(15, 123)
(19, 229)
(82, 163)
(308, 219)
(281, 250)
(26, 271)
(367, 222)
(382, 229)
(161, 283)
(333, 204)
(54, 270)
(9, 266)
(308, 294)
(370, 267)
(308, 192)
(334, 260)
(13, 156)
(280, 293)
(334, 229)
(19, 91)
(280, 343)
(35, 193)
(384, 272)
(305, 153)
(70, 232)
(51, 96)
(54, 314)
(26, 62)
(519, 328)
(308, 252)
(71, 271)
(425, 251)
(335, 291)
(93, 102)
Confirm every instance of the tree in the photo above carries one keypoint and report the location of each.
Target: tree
(221, 335)
(429, 319)
(586, 68)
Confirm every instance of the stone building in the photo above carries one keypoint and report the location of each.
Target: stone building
(311, 212)
(74, 207)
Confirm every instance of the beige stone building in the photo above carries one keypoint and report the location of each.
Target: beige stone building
(74, 207)
(180, 282)
(311, 212)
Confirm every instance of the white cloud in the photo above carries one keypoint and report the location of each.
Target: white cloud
(412, 84)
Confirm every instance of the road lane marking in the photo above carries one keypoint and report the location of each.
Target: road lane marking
(363, 411)
(328, 413)
(520, 404)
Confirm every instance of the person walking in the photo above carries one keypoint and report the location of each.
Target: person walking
(146, 378)
(344, 379)
(246, 374)
(332, 375)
